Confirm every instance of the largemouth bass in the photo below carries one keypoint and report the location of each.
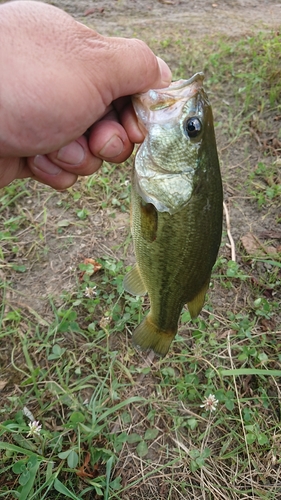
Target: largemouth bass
(176, 209)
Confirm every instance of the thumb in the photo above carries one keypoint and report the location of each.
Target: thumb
(128, 66)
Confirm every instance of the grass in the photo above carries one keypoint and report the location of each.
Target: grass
(117, 424)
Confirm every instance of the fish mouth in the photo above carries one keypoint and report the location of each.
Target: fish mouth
(196, 79)
(169, 99)
(189, 88)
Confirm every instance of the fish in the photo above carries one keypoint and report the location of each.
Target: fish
(176, 208)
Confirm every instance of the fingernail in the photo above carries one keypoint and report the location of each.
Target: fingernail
(73, 153)
(44, 164)
(112, 148)
(166, 74)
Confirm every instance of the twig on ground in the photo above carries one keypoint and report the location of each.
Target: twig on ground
(231, 240)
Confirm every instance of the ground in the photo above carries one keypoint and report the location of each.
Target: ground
(193, 19)
(174, 450)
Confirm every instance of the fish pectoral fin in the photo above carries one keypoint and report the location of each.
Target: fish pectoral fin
(148, 336)
(149, 221)
(133, 282)
(195, 305)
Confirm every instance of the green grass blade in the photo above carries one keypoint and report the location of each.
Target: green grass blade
(236, 372)
(18, 449)
(61, 488)
(24, 494)
(108, 473)
(126, 402)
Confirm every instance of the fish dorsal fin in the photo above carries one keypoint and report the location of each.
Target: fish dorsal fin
(195, 305)
(133, 282)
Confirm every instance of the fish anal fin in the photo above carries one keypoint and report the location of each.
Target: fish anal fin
(195, 305)
(148, 336)
(133, 282)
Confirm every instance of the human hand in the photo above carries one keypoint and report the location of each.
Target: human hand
(65, 94)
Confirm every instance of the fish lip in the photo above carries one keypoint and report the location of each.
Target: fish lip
(170, 99)
(175, 86)
(180, 84)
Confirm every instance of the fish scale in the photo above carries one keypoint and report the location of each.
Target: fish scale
(176, 208)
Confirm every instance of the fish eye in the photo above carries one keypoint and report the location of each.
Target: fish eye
(193, 127)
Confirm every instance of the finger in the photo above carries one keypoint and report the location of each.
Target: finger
(47, 172)
(109, 140)
(128, 119)
(21, 168)
(61, 168)
(76, 157)
(11, 169)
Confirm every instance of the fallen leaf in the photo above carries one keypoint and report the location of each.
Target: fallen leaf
(86, 470)
(251, 243)
(89, 11)
(254, 246)
(96, 265)
(3, 383)
(267, 325)
(274, 235)
(271, 250)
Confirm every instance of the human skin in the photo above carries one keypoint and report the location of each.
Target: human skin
(65, 94)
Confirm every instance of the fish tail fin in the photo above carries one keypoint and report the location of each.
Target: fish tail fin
(148, 336)
(195, 305)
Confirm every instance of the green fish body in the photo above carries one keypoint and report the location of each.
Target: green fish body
(176, 209)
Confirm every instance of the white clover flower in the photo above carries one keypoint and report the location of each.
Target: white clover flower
(90, 292)
(104, 322)
(35, 428)
(210, 403)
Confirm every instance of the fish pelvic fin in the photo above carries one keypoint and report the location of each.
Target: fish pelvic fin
(195, 305)
(148, 336)
(133, 282)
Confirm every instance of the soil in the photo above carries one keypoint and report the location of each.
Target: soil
(128, 18)
(199, 17)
